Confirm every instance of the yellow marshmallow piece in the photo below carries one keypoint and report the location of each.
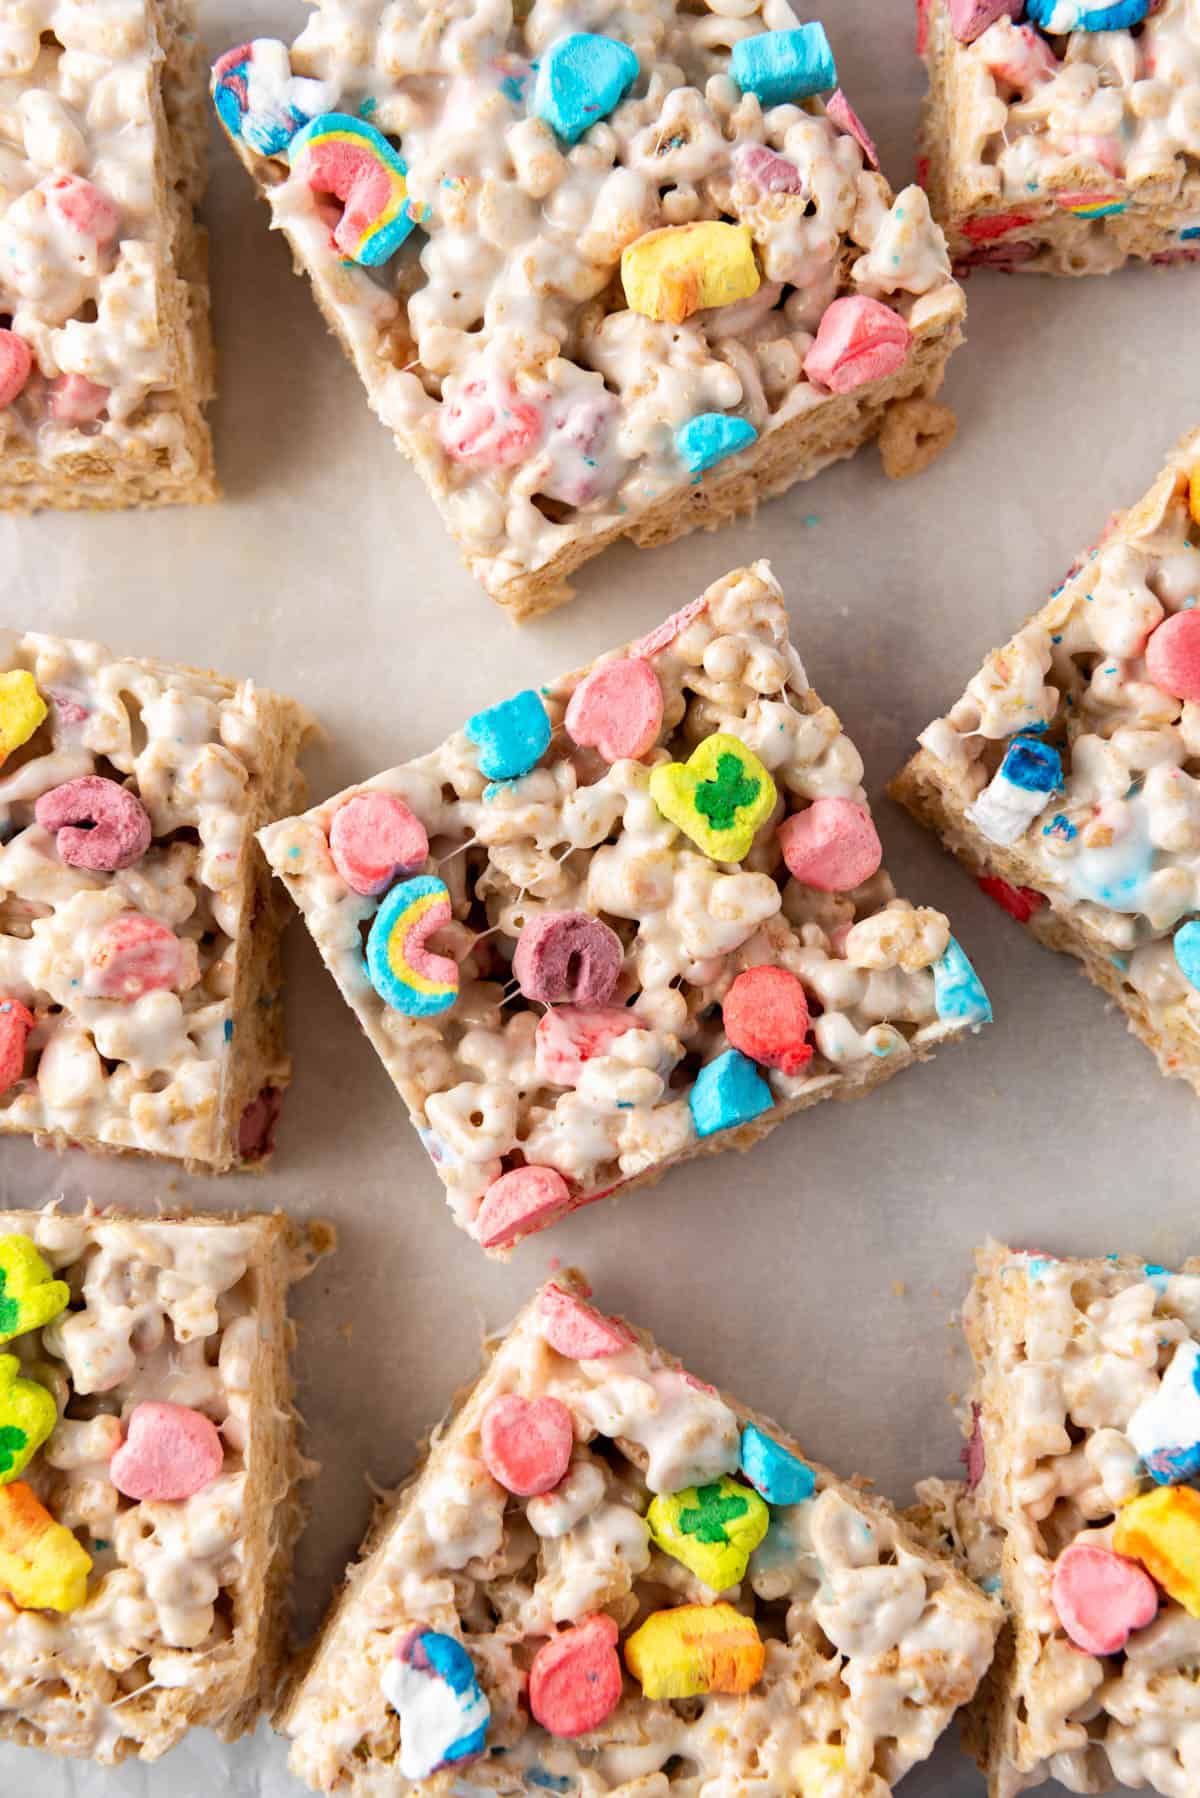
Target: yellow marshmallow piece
(720, 797)
(42, 1566)
(681, 269)
(1194, 493)
(29, 1298)
(1162, 1531)
(713, 1529)
(28, 1413)
(693, 1649)
(22, 709)
(818, 1772)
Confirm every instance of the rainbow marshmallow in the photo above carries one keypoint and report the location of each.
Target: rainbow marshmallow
(344, 156)
(404, 971)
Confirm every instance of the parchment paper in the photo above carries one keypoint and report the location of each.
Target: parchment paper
(819, 1277)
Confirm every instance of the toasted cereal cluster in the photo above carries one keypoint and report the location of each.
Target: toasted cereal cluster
(104, 351)
(1086, 1441)
(576, 268)
(138, 976)
(607, 1577)
(1068, 774)
(147, 1472)
(635, 914)
(1063, 136)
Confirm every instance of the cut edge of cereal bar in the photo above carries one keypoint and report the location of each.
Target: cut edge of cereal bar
(1087, 221)
(239, 1673)
(899, 409)
(298, 850)
(930, 788)
(104, 476)
(346, 1737)
(255, 1065)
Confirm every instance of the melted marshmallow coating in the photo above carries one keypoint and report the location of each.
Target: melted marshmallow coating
(872, 1641)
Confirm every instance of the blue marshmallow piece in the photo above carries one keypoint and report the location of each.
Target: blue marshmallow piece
(1032, 765)
(779, 1476)
(512, 737)
(580, 80)
(710, 437)
(958, 991)
(784, 65)
(727, 1092)
(1186, 945)
(1076, 15)
(1165, 1429)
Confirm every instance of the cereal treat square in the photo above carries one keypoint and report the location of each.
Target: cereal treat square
(607, 1577)
(105, 357)
(614, 282)
(139, 925)
(1067, 777)
(148, 1477)
(635, 916)
(1063, 136)
(1084, 1427)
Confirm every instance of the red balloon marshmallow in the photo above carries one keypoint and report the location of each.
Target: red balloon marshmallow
(16, 1021)
(617, 709)
(1101, 1597)
(832, 846)
(523, 1200)
(578, 1331)
(575, 1679)
(373, 838)
(1173, 656)
(527, 1443)
(765, 1013)
(117, 832)
(169, 1452)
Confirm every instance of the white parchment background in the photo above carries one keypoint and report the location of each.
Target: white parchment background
(821, 1276)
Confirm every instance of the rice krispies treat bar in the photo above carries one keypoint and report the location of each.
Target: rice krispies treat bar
(1054, 146)
(1099, 852)
(178, 1604)
(529, 1106)
(139, 970)
(850, 1642)
(1084, 1385)
(550, 405)
(105, 355)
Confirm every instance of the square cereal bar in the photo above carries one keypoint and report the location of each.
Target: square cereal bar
(1063, 136)
(607, 1577)
(148, 1477)
(1066, 775)
(614, 282)
(105, 357)
(635, 916)
(1085, 1438)
(139, 930)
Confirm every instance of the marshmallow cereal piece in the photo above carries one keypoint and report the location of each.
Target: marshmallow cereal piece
(1165, 1428)
(969, 19)
(693, 1649)
(727, 1092)
(42, 1566)
(404, 970)
(1060, 16)
(568, 1036)
(719, 797)
(431, 1683)
(579, 1331)
(617, 709)
(1185, 945)
(374, 837)
(1019, 791)
(1194, 494)
(29, 1297)
(679, 269)
(712, 1530)
(16, 364)
(169, 1452)
(74, 400)
(958, 992)
(16, 1021)
(781, 1477)
(350, 159)
(778, 66)
(259, 99)
(84, 207)
(1019, 902)
(832, 845)
(97, 824)
(133, 955)
(512, 737)
(22, 707)
(766, 170)
(580, 80)
(486, 423)
(527, 1443)
(1100, 1598)
(858, 340)
(839, 110)
(712, 437)
(568, 957)
(1173, 656)
(1161, 1529)
(765, 1014)
(575, 1680)
(28, 1413)
(519, 1202)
